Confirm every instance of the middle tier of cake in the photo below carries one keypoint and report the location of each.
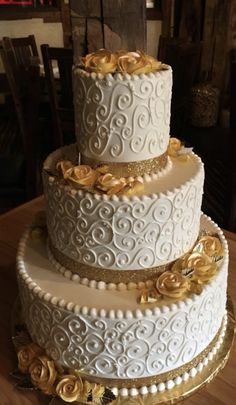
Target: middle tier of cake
(117, 238)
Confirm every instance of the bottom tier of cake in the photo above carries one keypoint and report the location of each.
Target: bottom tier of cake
(108, 337)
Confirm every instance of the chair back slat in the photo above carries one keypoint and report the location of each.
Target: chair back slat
(60, 91)
(24, 82)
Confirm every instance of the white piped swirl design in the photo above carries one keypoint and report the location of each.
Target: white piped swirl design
(126, 348)
(124, 233)
(122, 118)
(111, 343)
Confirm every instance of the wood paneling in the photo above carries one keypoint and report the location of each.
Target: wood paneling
(216, 44)
(127, 20)
(108, 24)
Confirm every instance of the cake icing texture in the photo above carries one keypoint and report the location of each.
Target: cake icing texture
(122, 117)
(126, 233)
(124, 286)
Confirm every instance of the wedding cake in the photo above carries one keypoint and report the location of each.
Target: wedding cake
(127, 290)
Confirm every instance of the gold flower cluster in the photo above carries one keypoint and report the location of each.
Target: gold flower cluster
(190, 272)
(97, 180)
(177, 150)
(104, 61)
(51, 379)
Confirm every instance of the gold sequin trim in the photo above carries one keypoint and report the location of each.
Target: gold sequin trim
(147, 381)
(107, 275)
(129, 169)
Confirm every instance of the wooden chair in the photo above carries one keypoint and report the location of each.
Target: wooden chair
(184, 58)
(20, 59)
(60, 92)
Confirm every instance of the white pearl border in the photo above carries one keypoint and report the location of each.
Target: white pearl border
(102, 285)
(77, 70)
(127, 314)
(62, 152)
(168, 385)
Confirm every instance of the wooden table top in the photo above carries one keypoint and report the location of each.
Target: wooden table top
(222, 390)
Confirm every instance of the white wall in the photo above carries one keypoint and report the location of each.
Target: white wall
(45, 33)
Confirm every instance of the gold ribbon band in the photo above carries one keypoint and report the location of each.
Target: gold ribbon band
(129, 169)
(107, 275)
(147, 381)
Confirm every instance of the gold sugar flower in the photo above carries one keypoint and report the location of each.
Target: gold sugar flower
(82, 175)
(101, 61)
(155, 64)
(43, 374)
(69, 388)
(65, 167)
(134, 63)
(111, 184)
(204, 273)
(210, 245)
(204, 268)
(174, 147)
(172, 285)
(26, 354)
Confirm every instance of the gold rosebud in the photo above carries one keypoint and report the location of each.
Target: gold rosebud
(210, 245)
(82, 175)
(203, 266)
(204, 273)
(26, 354)
(43, 374)
(64, 167)
(133, 188)
(155, 64)
(134, 63)
(69, 388)
(172, 285)
(110, 184)
(174, 147)
(101, 61)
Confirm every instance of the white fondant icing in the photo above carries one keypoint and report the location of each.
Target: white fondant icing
(124, 233)
(122, 118)
(90, 330)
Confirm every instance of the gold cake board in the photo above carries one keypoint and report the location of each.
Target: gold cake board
(185, 389)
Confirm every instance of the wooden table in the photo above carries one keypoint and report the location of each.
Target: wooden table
(221, 391)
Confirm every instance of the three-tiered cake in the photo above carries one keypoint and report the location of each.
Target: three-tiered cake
(129, 290)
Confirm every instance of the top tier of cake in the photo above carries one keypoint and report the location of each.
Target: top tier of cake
(123, 117)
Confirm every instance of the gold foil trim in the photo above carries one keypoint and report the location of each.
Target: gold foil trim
(107, 275)
(129, 169)
(147, 381)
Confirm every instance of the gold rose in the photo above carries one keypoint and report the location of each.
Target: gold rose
(172, 285)
(177, 150)
(211, 246)
(43, 374)
(83, 176)
(101, 61)
(70, 388)
(203, 267)
(64, 167)
(104, 61)
(110, 184)
(26, 355)
(204, 273)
